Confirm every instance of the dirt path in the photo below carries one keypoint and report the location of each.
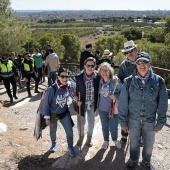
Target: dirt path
(19, 149)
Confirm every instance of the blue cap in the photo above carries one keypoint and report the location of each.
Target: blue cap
(143, 56)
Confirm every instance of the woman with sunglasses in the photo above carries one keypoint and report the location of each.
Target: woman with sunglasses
(109, 89)
(56, 108)
(142, 109)
(87, 83)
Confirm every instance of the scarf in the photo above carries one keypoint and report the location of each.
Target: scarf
(143, 79)
(62, 87)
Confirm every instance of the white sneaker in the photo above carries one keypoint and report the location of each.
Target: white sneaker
(118, 144)
(105, 145)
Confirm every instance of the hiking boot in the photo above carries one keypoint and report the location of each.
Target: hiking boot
(72, 151)
(131, 165)
(118, 144)
(78, 142)
(88, 141)
(147, 165)
(105, 145)
(15, 97)
(53, 148)
(123, 139)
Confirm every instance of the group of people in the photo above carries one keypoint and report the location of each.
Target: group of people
(14, 68)
(134, 98)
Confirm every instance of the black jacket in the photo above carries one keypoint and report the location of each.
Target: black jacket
(80, 87)
(84, 55)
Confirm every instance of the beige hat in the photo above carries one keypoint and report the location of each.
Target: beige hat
(107, 53)
(129, 45)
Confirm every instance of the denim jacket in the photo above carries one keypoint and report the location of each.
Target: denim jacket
(142, 101)
(126, 69)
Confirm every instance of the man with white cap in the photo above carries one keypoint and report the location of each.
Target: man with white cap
(143, 104)
(126, 69)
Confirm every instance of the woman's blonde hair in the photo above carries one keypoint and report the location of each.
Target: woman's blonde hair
(108, 66)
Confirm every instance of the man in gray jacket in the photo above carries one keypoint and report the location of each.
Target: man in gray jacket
(143, 97)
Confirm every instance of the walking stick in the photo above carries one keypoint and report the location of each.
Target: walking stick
(111, 113)
(79, 119)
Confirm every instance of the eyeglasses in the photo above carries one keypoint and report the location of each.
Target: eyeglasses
(104, 71)
(139, 62)
(62, 76)
(88, 66)
(129, 51)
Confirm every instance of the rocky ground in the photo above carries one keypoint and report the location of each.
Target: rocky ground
(20, 151)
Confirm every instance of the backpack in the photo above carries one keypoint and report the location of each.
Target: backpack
(40, 121)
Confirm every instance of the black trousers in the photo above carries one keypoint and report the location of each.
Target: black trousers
(39, 74)
(7, 82)
(34, 76)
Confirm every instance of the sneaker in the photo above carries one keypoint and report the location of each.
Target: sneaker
(123, 140)
(118, 144)
(105, 145)
(147, 165)
(72, 151)
(131, 165)
(53, 148)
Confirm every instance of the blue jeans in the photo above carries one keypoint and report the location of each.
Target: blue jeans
(109, 125)
(137, 128)
(52, 76)
(66, 123)
(90, 120)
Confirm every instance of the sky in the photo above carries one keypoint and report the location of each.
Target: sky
(90, 4)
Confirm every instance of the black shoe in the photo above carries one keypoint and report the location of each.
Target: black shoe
(29, 95)
(147, 165)
(36, 91)
(11, 99)
(15, 97)
(123, 140)
(131, 165)
(140, 143)
(21, 87)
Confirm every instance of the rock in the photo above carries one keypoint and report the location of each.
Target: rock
(159, 146)
(23, 128)
(3, 128)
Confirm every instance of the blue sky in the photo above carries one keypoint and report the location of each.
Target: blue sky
(90, 4)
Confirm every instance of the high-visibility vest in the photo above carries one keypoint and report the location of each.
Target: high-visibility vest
(6, 69)
(27, 67)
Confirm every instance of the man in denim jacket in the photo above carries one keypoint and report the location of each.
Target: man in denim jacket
(139, 102)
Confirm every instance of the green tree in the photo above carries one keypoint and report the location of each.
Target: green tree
(113, 43)
(13, 33)
(72, 48)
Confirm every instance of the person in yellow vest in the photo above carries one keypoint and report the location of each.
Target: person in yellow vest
(29, 70)
(8, 74)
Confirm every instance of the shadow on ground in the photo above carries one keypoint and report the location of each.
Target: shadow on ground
(37, 162)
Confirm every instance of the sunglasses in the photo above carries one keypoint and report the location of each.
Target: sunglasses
(139, 62)
(62, 76)
(129, 51)
(88, 66)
